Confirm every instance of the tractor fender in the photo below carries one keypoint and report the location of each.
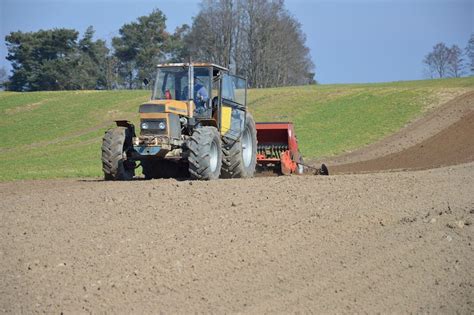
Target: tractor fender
(208, 122)
(127, 124)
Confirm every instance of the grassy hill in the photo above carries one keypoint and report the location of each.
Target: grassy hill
(58, 134)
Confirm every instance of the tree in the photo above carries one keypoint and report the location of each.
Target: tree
(92, 62)
(177, 48)
(112, 68)
(437, 61)
(41, 60)
(258, 39)
(455, 62)
(470, 53)
(55, 60)
(140, 46)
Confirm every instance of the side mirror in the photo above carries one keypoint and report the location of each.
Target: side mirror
(145, 81)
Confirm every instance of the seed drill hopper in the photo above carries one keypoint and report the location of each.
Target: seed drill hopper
(277, 150)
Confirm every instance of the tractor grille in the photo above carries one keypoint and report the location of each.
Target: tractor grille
(271, 151)
(152, 127)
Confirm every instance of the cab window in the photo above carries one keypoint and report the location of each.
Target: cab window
(234, 89)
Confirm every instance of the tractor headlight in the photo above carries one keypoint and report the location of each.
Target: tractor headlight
(162, 125)
(144, 125)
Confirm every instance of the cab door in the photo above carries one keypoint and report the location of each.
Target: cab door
(234, 100)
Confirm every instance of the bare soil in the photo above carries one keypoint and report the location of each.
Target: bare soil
(417, 133)
(380, 242)
(451, 146)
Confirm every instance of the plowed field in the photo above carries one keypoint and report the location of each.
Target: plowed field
(399, 241)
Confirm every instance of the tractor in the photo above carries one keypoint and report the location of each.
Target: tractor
(196, 125)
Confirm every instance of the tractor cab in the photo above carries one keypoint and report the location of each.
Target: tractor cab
(186, 83)
(200, 86)
(188, 96)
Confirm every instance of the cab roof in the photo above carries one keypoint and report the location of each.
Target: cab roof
(195, 64)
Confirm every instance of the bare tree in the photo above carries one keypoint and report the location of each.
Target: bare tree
(258, 39)
(3, 77)
(112, 68)
(455, 62)
(437, 61)
(470, 53)
(211, 37)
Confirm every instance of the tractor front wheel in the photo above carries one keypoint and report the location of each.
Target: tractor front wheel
(115, 164)
(205, 154)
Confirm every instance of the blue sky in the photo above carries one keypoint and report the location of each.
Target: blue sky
(351, 41)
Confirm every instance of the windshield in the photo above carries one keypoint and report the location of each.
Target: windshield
(172, 83)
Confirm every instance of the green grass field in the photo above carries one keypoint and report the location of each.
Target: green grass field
(58, 134)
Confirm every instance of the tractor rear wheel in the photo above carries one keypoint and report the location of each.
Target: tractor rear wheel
(115, 164)
(240, 157)
(205, 154)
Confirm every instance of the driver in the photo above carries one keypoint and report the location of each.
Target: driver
(200, 97)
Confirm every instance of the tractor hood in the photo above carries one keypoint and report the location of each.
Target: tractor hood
(167, 106)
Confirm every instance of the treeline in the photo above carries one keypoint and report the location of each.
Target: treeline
(257, 39)
(444, 61)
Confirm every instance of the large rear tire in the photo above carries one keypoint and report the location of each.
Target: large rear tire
(240, 157)
(205, 154)
(115, 163)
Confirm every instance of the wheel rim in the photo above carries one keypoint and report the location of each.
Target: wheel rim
(213, 156)
(247, 147)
